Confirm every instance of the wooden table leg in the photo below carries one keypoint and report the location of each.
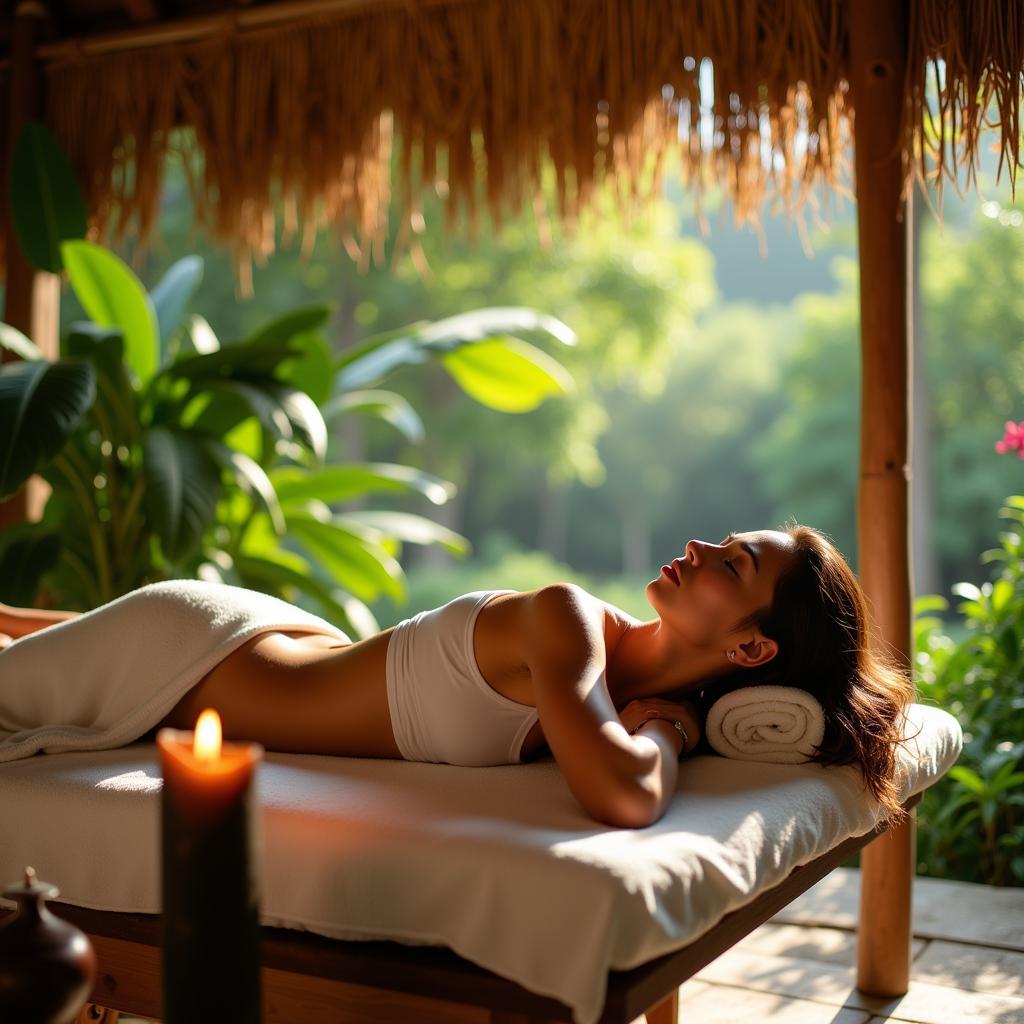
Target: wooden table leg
(665, 1012)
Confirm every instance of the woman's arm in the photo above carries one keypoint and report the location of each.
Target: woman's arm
(606, 769)
(661, 782)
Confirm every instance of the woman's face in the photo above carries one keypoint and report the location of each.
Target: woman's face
(710, 587)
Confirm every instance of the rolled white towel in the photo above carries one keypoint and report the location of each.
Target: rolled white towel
(778, 724)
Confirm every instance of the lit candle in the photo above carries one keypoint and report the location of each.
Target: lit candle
(211, 847)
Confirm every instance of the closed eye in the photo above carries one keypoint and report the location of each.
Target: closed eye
(746, 547)
(728, 561)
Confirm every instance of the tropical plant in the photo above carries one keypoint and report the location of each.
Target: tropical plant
(212, 461)
(974, 815)
(169, 453)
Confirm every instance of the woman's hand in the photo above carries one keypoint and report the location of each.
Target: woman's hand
(5, 640)
(685, 711)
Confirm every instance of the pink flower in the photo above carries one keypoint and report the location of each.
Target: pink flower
(1013, 438)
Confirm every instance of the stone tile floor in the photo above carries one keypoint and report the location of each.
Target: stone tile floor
(967, 963)
(799, 967)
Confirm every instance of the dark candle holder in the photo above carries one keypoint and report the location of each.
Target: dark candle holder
(210, 884)
(47, 965)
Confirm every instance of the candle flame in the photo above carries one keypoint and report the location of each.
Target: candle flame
(206, 741)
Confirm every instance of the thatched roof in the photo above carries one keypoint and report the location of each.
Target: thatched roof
(303, 101)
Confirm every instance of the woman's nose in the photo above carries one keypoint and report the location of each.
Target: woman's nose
(693, 551)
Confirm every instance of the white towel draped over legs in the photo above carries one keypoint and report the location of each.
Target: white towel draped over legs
(778, 724)
(108, 676)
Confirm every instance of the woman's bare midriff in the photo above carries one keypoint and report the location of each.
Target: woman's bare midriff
(304, 692)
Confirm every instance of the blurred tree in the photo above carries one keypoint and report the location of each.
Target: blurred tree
(973, 291)
(806, 460)
(679, 466)
(631, 293)
(972, 282)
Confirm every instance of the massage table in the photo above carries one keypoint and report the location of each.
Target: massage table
(398, 891)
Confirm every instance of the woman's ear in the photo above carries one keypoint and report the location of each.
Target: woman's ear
(758, 651)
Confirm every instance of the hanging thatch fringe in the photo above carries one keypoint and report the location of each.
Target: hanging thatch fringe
(303, 114)
(977, 54)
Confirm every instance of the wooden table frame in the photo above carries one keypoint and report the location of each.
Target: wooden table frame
(313, 979)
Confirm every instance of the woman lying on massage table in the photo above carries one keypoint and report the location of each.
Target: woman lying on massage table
(617, 701)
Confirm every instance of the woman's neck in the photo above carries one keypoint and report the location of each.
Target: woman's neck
(648, 660)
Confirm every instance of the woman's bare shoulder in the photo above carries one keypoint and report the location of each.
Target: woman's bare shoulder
(549, 598)
(548, 612)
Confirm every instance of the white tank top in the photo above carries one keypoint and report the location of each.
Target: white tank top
(442, 708)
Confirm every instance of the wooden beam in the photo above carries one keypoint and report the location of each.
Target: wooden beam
(31, 297)
(877, 63)
(205, 26)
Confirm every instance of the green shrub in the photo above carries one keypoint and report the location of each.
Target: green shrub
(971, 823)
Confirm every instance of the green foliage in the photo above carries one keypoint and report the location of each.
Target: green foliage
(805, 460)
(972, 820)
(40, 404)
(46, 203)
(507, 374)
(114, 297)
(26, 556)
(212, 463)
(682, 466)
(501, 371)
(972, 283)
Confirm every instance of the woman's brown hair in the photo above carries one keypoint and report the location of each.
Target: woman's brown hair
(828, 647)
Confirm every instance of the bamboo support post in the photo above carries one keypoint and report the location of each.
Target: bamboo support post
(877, 37)
(31, 297)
